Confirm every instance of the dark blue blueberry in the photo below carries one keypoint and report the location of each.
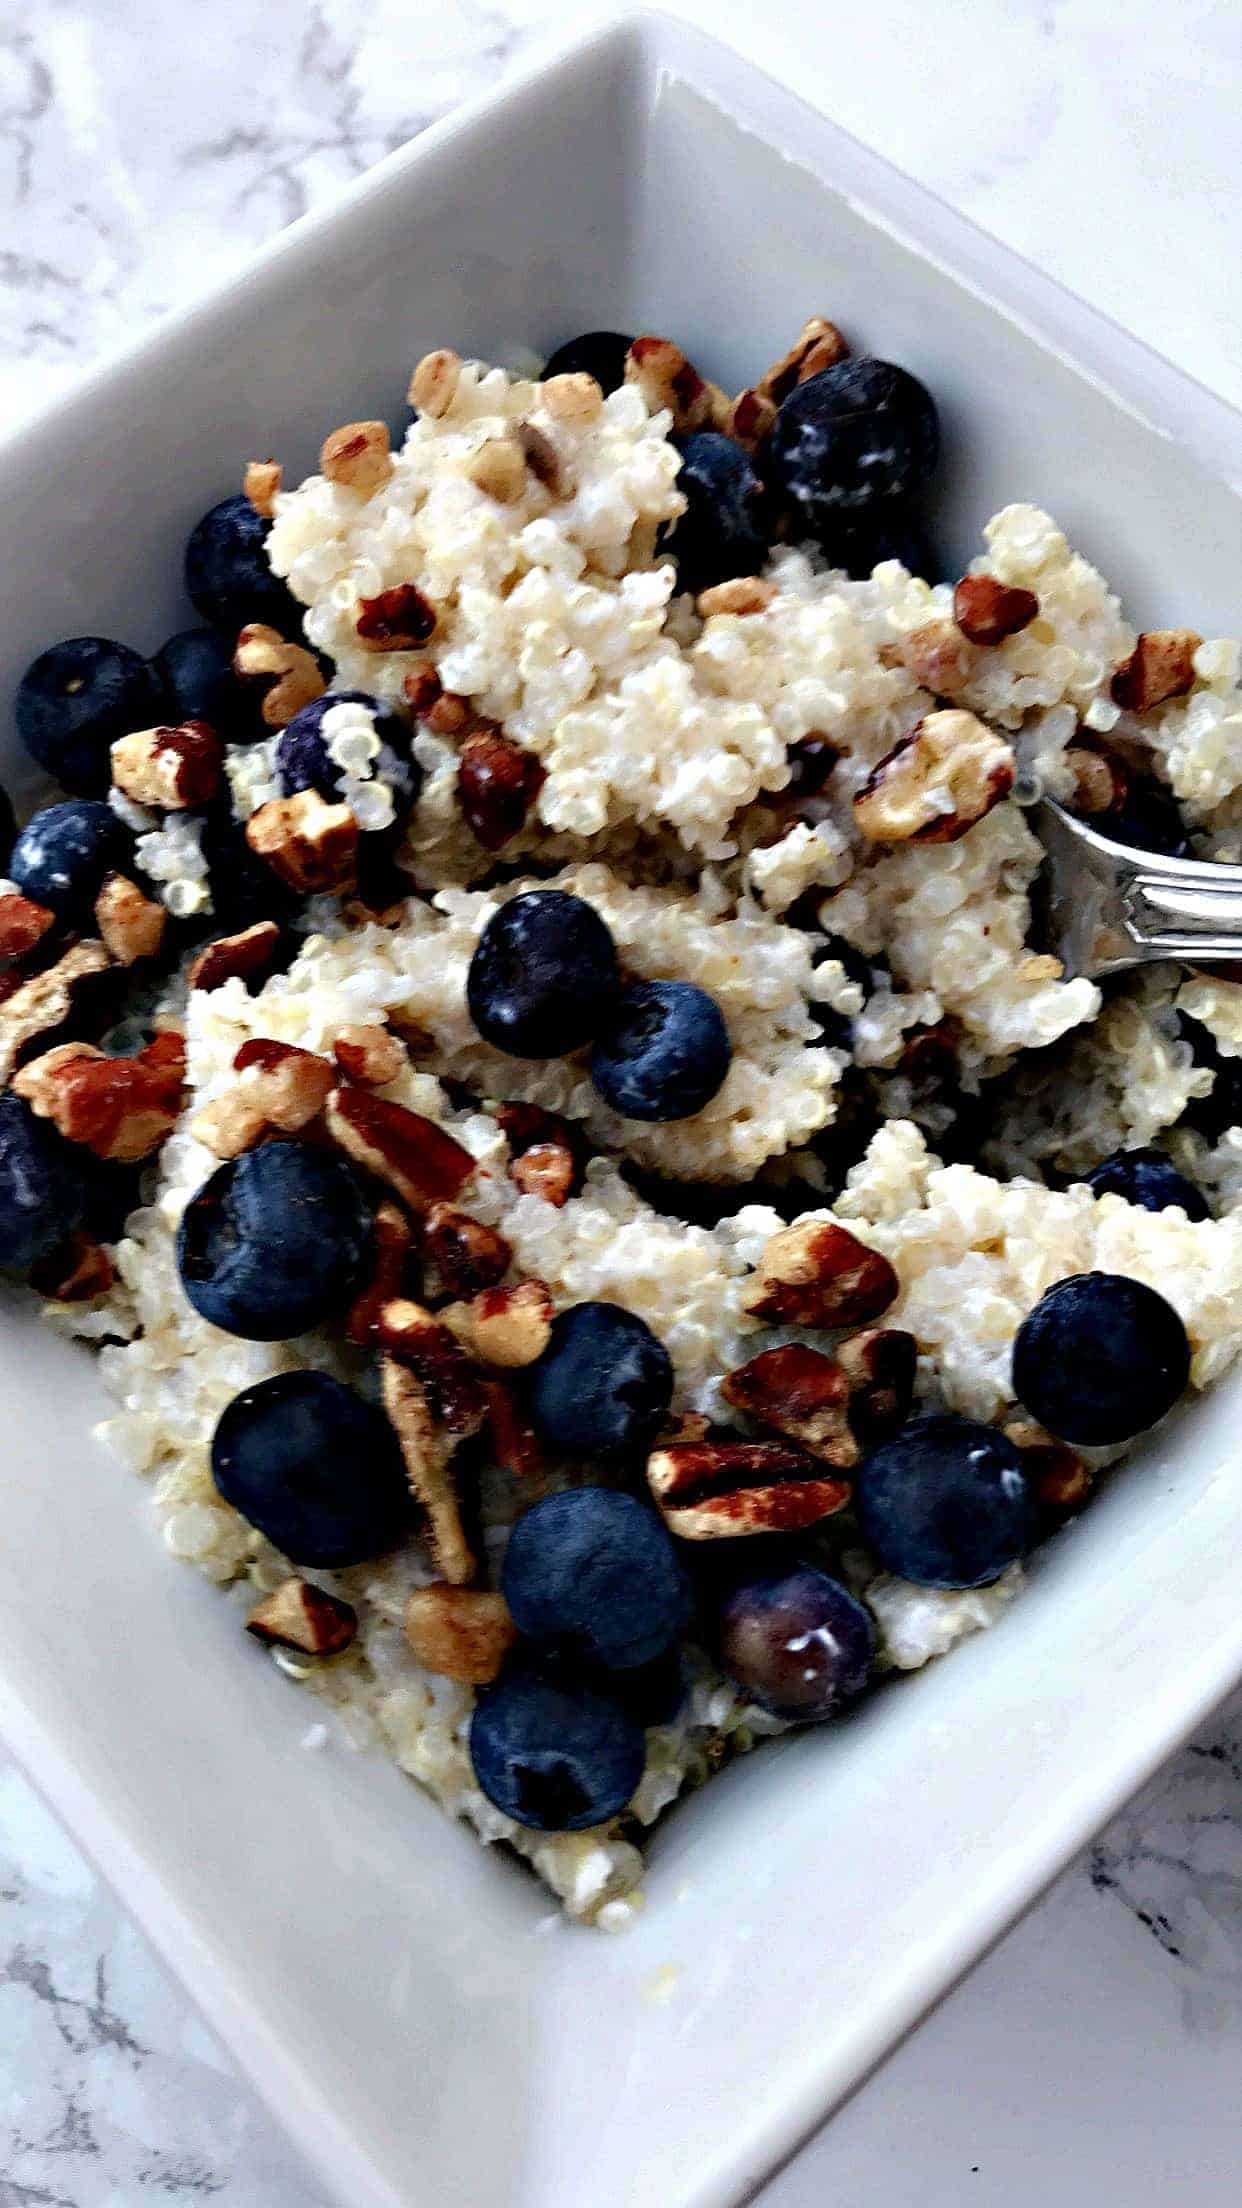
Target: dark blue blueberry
(275, 1241)
(946, 1503)
(195, 668)
(847, 439)
(598, 353)
(244, 888)
(603, 1384)
(723, 531)
(664, 1052)
(555, 1757)
(798, 1642)
(1149, 1178)
(883, 534)
(227, 576)
(42, 1191)
(62, 855)
(1222, 1106)
(1100, 1359)
(75, 700)
(8, 829)
(837, 1028)
(315, 1468)
(1149, 820)
(303, 762)
(596, 1568)
(543, 975)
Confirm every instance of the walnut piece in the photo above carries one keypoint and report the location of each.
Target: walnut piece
(311, 845)
(234, 957)
(427, 1451)
(573, 399)
(505, 1327)
(498, 469)
(665, 377)
(816, 1273)
(169, 767)
(937, 782)
(800, 1393)
(987, 611)
(433, 385)
(46, 1001)
(23, 925)
(281, 1091)
(120, 1108)
(721, 1490)
(744, 594)
(396, 620)
(78, 1272)
(299, 1615)
(358, 456)
(497, 783)
(291, 672)
(369, 1055)
(131, 925)
(461, 1256)
(459, 1632)
(1162, 665)
(261, 483)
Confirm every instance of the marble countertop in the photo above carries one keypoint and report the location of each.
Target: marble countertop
(1096, 2053)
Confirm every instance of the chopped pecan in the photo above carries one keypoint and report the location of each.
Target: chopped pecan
(816, 1273)
(987, 611)
(77, 1272)
(234, 956)
(450, 715)
(938, 656)
(929, 1055)
(508, 1327)
(411, 1334)
(684, 1426)
(369, 1055)
(391, 1244)
(1059, 1477)
(287, 1088)
(1162, 665)
(498, 468)
(310, 844)
(396, 620)
(937, 782)
(744, 594)
(261, 483)
(819, 345)
(132, 926)
(880, 1366)
(420, 1162)
(121, 1108)
(718, 1490)
(290, 671)
(300, 1615)
(46, 1001)
(459, 1631)
(546, 464)
(23, 925)
(169, 767)
(358, 456)
(515, 1444)
(433, 385)
(461, 1256)
(801, 1393)
(546, 1170)
(666, 379)
(1101, 783)
(497, 783)
(546, 1155)
(421, 688)
(574, 399)
(751, 419)
(427, 1451)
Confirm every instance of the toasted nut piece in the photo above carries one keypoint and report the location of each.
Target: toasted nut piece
(745, 594)
(461, 1256)
(880, 1366)
(497, 783)
(121, 1108)
(418, 1040)
(666, 379)
(23, 925)
(1060, 1478)
(939, 657)
(546, 1154)
(398, 620)
(285, 1090)
(546, 1170)
(310, 844)
(718, 1490)
(1162, 665)
(427, 1451)
(459, 1631)
(292, 673)
(819, 345)
(498, 469)
(685, 1426)
(233, 956)
(433, 385)
(816, 1273)
(132, 926)
(546, 464)
(450, 715)
(42, 1004)
(261, 483)
(169, 767)
(76, 1273)
(987, 611)
(508, 1327)
(421, 688)
(515, 1444)
(937, 782)
(358, 456)
(1101, 783)
(751, 419)
(719, 414)
(574, 399)
(929, 1054)
(369, 1055)
(391, 1245)
(300, 1615)
(420, 1162)
(409, 1332)
(801, 1393)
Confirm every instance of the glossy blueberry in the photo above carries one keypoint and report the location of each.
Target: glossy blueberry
(8, 829)
(275, 1241)
(244, 888)
(227, 576)
(62, 855)
(1100, 1359)
(598, 353)
(42, 1190)
(603, 1384)
(303, 761)
(543, 976)
(664, 1052)
(556, 1757)
(75, 700)
(798, 1642)
(847, 439)
(315, 1468)
(723, 531)
(1150, 820)
(945, 1503)
(195, 669)
(595, 1567)
(1149, 1178)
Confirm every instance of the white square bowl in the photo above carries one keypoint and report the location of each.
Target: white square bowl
(397, 1994)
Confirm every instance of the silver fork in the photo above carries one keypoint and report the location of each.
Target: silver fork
(1111, 906)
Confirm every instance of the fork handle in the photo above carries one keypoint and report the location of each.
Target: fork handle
(1172, 917)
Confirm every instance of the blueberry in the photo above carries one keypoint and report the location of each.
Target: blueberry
(543, 975)
(946, 1503)
(857, 434)
(837, 1028)
(275, 1241)
(244, 888)
(42, 1190)
(598, 353)
(75, 700)
(8, 829)
(303, 761)
(227, 575)
(723, 531)
(554, 1757)
(112, 1192)
(798, 1643)
(1148, 1178)
(314, 1468)
(62, 855)
(1100, 1359)
(603, 1384)
(664, 1052)
(195, 668)
(597, 1568)
(887, 532)
(1222, 1106)
(1149, 820)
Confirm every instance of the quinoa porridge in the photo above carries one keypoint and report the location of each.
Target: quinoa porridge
(528, 1052)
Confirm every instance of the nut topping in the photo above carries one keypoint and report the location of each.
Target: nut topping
(666, 379)
(544, 461)
(751, 419)
(408, 1332)
(546, 1170)
(391, 1245)
(801, 1393)
(879, 1366)
(1101, 783)
(310, 844)
(132, 926)
(369, 1055)
(421, 688)
(497, 783)
(507, 1327)
(261, 483)
(398, 620)
(299, 1615)
(449, 714)
(420, 1162)
(1060, 1478)
(234, 956)
(45, 1002)
(427, 1452)
(1162, 665)
(819, 345)
(433, 385)
(459, 1631)
(515, 1444)
(498, 469)
(938, 656)
(573, 399)
(937, 782)
(285, 1090)
(78, 1272)
(121, 1108)
(290, 671)
(816, 1273)
(358, 456)
(23, 925)
(987, 611)
(744, 594)
(461, 1256)
(719, 1490)
(169, 767)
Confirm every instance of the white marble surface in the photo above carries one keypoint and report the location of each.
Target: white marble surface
(1096, 2055)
